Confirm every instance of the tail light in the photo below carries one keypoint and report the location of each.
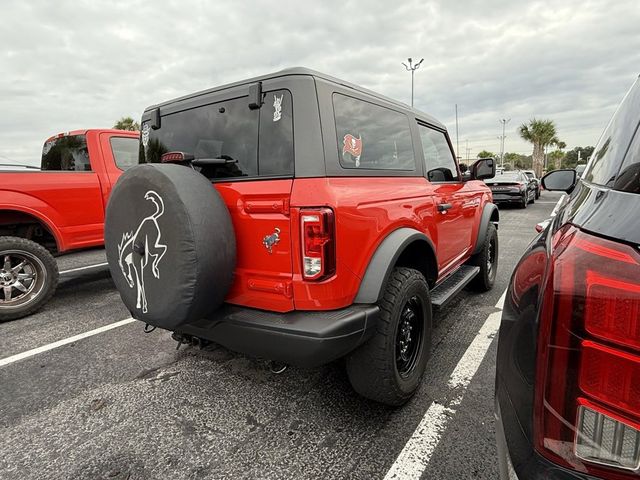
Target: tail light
(318, 243)
(587, 403)
(175, 157)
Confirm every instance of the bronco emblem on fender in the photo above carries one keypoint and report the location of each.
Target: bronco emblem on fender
(137, 248)
(270, 240)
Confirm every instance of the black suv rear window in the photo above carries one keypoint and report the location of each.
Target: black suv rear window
(260, 140)
(372, 137)
(68, 153)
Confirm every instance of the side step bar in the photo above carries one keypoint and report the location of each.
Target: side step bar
(446, 290)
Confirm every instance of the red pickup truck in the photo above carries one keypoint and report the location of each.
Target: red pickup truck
(56, 209)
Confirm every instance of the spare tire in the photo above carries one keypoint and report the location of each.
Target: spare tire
(170, 244)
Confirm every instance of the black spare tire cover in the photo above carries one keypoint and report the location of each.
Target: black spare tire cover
(170, 244)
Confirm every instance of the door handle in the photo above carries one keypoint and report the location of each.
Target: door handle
(443, 207)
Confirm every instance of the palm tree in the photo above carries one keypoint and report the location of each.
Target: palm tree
(127, 123)
(540, 133)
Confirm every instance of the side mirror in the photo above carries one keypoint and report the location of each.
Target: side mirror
(483, 168)
(560, 180)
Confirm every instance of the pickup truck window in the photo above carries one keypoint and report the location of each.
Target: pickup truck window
(68, 153)
(371, 136)
(125, 151)
(439, 163)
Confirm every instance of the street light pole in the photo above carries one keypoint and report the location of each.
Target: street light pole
(412, 68)
(504, 122)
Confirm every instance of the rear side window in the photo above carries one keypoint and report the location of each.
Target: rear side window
(372, 137)
(438, 158)
(609, 153)
(125, 151)
(68, 153)
(260, 140)
(628, 179)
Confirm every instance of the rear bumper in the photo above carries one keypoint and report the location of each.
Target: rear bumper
(302, 338)
(508, 197)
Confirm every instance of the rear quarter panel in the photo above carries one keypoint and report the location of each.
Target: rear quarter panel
(367, 210)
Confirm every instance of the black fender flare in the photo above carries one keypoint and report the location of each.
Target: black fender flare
(386, 258)
(490, 214)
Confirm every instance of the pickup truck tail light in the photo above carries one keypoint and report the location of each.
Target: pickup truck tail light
(587, 392)
(318, 243)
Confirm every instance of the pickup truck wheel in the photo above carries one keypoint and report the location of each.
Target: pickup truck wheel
(170, 244)
(28, 277)
(487, 260)
(389, 367)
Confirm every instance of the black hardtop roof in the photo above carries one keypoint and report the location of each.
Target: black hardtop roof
(307, 72)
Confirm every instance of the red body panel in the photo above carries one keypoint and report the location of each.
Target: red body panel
(262, 279)
(367, 210)
(70, 204)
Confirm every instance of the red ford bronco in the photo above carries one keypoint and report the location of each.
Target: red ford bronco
(55, 209)
(337, 220)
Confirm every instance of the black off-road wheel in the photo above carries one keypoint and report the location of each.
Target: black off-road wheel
(389, 367)
(487, 260)
(28, 277)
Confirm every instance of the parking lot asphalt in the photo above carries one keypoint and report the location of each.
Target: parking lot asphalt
(122, 404)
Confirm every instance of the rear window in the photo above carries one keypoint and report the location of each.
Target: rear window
(509, 176)
(68, 153)
(259, 140)
(372, 137)
(125, 151)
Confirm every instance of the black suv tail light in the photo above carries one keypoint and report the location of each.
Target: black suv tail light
(587, 400)
(318, 243)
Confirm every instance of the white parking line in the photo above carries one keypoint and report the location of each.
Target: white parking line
(416, 454)
(500, 303)
(64, 341)
(71, 270)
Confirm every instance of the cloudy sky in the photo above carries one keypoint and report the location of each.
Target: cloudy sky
(70, 64)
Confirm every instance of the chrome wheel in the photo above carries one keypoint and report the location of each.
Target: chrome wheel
(409, 336)
(22, 278)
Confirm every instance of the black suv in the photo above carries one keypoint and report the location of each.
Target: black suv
(568, 367)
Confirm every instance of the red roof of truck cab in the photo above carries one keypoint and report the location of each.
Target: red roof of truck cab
(127, 133)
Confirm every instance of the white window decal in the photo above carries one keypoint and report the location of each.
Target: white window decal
(277, 107)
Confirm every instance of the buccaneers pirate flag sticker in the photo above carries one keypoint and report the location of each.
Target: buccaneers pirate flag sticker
(352, 146)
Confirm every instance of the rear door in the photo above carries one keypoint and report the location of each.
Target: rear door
(456, 202)
(255, 185)
(119, 153)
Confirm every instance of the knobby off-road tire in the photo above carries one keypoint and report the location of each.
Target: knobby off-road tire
(487, 260)
(28, 277)
(378, 370)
